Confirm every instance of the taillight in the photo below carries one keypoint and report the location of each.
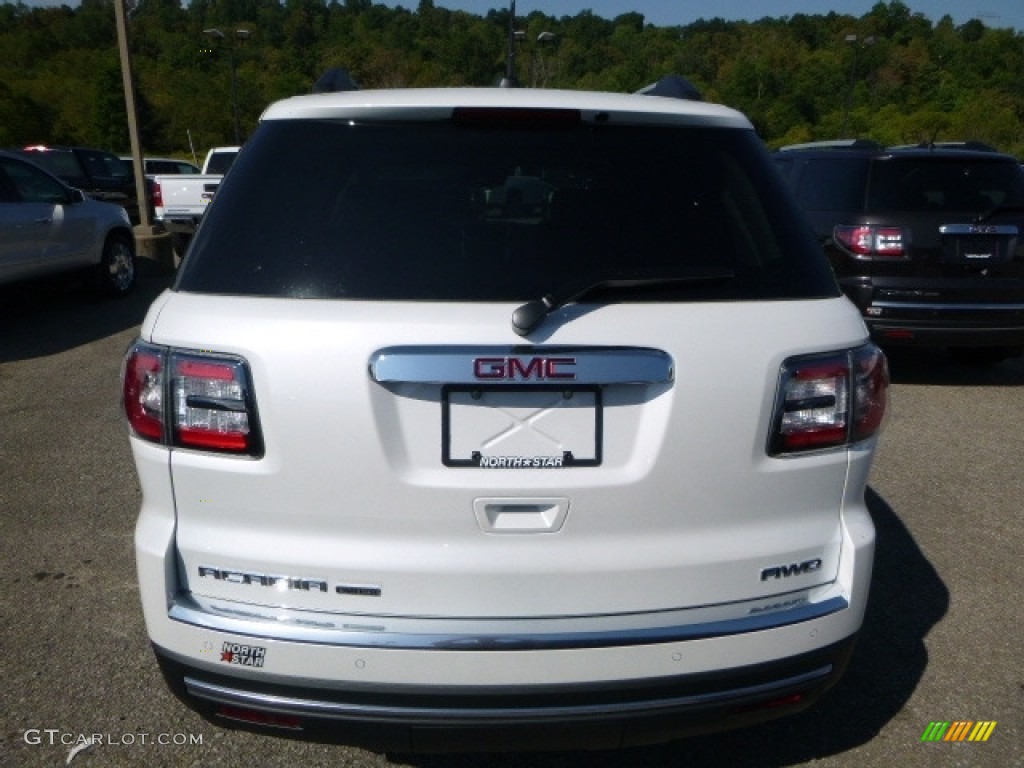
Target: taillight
(870, 374)
(142, 383)
(873, 242)
(156, 194)
(830, 400)
(190, 400)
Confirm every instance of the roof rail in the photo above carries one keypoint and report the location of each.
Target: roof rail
(333, 80)
(834, 144)
(672, 87)
(975, 146)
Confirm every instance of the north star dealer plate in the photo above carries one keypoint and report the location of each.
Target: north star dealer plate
(521, 427)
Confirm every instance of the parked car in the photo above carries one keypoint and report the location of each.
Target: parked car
(47, 227)
(503, 418)
(926, 241)
(101, 175)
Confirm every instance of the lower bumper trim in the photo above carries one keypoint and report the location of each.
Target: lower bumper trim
(436, 715)
(441, 718)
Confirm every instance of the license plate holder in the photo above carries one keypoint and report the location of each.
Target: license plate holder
(973, 249)
(521, 427)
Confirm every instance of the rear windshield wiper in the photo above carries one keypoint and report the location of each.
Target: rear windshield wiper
(531, 314)
(998, 210)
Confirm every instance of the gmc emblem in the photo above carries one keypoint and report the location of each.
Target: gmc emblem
(528, 369)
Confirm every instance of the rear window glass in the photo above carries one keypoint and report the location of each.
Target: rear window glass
(455, 212)
(103, 165)
(220, 162)
(833, 184)
(61, 163)
(945, 184)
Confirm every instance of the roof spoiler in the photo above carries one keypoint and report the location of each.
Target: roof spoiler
(334, 80)
(672, 87)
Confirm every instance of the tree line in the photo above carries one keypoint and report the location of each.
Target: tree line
(892, 75)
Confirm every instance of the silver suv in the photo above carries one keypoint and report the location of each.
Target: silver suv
(502, 418)
(49, 228)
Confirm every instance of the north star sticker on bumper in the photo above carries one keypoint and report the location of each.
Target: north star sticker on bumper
(244, 655)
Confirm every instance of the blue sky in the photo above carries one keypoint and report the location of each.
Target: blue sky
(995, 13)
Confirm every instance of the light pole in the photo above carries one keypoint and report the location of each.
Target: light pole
(536, 55)
(510, 80)
(543, 39)
(238, 36)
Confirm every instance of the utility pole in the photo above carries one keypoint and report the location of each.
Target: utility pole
(133, 121)
(150, 241)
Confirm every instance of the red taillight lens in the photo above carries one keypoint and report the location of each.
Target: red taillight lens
(829, 400)
(142, 388)
(156, 194)
(189, 400)
(870, 391)
(872, 242)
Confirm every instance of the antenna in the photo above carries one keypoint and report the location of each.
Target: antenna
(510, 80)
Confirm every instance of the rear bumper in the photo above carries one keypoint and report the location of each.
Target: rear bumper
(181, 225)
(459, 718)
(908, 332)
(434, 684)
(944, 316)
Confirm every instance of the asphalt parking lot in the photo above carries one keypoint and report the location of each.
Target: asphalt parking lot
(942, 640)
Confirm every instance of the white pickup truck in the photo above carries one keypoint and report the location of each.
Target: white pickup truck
(180, 200)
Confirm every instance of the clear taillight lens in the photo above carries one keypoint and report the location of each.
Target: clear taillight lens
(873, 242)
(829, 400)
(190, 400)
(209, 403)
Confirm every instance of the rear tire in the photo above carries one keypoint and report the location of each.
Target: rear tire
(115, 274)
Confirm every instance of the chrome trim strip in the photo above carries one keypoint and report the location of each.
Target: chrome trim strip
(433, 634)
(289, 705)
(455, 364)
(978, 229)
(988, 307)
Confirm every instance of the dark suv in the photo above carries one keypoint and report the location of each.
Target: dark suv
(926, 241)
(101, 175)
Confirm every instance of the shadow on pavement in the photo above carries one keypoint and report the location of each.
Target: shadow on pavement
(46, 317)
(929, 366)
(908, 598)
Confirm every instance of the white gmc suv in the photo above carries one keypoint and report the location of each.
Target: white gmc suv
(499, 418)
